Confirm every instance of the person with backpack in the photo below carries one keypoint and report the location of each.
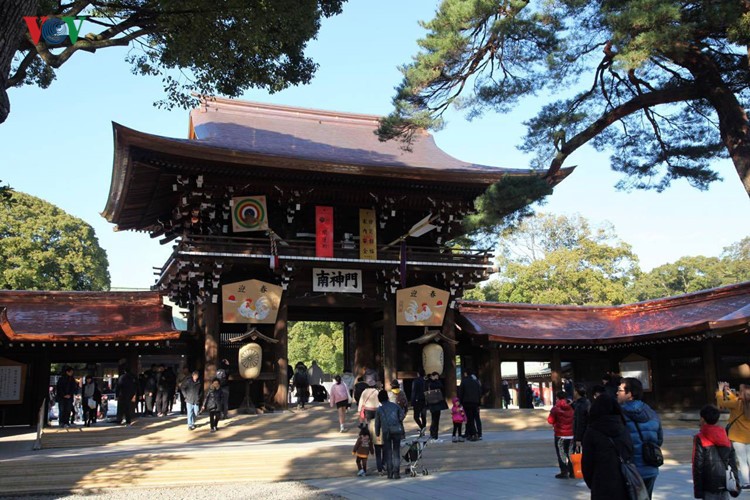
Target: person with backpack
(645, 430)
(389, 423)
(712, 454)
(396, 395)
(301, 385)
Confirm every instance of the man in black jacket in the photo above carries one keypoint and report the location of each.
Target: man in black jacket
(417, 402)
(470, 393)
(581, 406)
(66, 391)
(125, 393)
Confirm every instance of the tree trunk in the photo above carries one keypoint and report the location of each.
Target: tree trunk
(734, 125)
(12, 28)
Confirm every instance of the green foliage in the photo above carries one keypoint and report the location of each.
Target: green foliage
(692, 274)
(317, 341)
(6, 195)
(666, 81)
(44, 248)
(561, 260)
(505, 204)
(220, 47)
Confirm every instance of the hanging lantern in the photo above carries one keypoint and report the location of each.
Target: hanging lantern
(249, 360)
(432, 358)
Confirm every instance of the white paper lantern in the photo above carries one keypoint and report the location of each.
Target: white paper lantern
(432, 359)
(250, 358)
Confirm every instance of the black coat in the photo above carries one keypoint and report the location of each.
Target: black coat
(600, 463)
(712, 451)
(470, 391)
(581, 407)
(193, 391)
(213, 399)
(436, 384)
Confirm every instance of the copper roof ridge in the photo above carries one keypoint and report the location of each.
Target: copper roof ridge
(293, 112)
(652, 304)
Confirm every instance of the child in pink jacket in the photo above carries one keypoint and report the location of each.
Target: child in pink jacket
(459, 418)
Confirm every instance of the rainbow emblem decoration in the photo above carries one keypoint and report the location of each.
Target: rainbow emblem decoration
(249, 213)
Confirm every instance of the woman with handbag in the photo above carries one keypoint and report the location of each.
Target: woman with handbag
(738, 429)
(90, 400)
(605, 441)
(435, 402)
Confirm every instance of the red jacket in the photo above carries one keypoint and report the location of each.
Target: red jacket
(561, 418)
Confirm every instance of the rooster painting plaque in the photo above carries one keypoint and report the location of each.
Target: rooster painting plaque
(421, 306)
(250, 301)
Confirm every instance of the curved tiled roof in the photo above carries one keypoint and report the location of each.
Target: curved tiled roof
(716, 310)
(44, 316)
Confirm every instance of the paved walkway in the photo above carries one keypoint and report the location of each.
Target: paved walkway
(514, 460)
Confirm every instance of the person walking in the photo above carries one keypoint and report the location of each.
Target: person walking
(66, 390)
(192, 388)
(581, 406)
(363, 448)
(389, 423)
(90, 400)
(417, 402)
(340, 400)
(223, 375)
(606, 440)
(561, 418)
(213, 403)
(396, 395)
(301, 385)
(506, 394)
(434, 383)
(368, 401)
(712, 453)
(644, 426)
(738, 405)
(377, 441)
(127, 389)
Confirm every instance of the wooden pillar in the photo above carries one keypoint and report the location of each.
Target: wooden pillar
(523, 401)
(364, 349)
(495, 399)
(210, 341)
(281, 360)
(39, 381)
(390, 341)
(556, 373)
(710, 376)
(449, 355)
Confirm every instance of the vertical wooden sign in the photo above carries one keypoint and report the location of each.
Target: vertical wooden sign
(323, 231)
(367, 234)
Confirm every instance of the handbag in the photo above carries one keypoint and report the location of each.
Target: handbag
(732, 483)
(433, 396)
(729, 425)
(651, 452)
(634, 485)
(575, 459)
(91, 403)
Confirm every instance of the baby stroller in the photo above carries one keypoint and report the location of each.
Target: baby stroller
(412, 451)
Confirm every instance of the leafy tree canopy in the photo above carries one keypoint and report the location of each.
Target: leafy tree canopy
(317, 341)
(226, 46)
(44, 248)
(561, 260)
(665, 82)
(692, 274)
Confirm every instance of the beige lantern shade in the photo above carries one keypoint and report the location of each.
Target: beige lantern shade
(250, 358)
(432, 358)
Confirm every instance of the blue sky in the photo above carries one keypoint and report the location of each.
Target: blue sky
(57, 143)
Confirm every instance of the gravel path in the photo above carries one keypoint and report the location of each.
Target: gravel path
(288, 490)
